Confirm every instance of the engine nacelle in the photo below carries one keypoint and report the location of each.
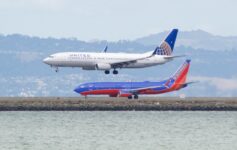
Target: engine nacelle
(103, 66)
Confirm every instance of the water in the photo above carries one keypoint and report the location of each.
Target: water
(118, 130)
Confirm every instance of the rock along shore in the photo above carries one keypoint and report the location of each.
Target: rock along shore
(117, 104)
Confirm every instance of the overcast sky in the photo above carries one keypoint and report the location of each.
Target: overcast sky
(115, 19)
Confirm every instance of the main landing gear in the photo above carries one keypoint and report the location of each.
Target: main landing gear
(106, 71)
(135, 97)
(114, 72)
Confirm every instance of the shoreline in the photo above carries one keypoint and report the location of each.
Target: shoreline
(117, 104)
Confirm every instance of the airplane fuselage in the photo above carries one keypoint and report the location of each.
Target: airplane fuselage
(107, 61)
(114, 89)
(129, 89)
(89, 61)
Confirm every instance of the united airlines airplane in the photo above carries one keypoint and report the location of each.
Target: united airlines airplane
(107, 61)
(133, 89)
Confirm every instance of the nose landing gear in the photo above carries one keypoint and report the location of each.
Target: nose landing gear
(55, 68)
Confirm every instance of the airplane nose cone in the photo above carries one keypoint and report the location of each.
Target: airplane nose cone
(46, 60)
(77, 90)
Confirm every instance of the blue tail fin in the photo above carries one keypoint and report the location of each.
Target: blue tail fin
(167, 46)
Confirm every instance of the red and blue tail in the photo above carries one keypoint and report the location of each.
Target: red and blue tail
(180, 75)
(167, 46)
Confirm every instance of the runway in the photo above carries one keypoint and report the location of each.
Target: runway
(117, 104)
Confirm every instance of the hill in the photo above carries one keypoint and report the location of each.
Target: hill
(23, 73)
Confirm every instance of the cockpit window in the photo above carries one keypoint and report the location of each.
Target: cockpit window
(51, 56)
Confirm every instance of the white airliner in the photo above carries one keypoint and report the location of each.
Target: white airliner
(107, 61)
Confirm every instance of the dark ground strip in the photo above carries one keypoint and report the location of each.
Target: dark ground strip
(117, 104)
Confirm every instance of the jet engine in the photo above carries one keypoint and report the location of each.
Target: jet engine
(103, 66)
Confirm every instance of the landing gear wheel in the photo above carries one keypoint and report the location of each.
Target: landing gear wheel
(135, 96)
(130, 97)
(56, 69)
(106, 71)
(115, 72)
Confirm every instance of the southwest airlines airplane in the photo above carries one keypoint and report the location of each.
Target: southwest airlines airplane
(107, 61)
(133, 89)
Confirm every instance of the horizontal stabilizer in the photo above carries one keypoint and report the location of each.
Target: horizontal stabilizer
(175, 56)
(191, 82)
(188, 83)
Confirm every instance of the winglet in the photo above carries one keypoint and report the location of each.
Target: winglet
(106, 48)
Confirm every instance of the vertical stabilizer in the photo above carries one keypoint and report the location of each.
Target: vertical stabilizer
(181, 74)
(167, 46)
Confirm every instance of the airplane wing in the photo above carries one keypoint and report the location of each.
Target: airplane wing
(140, 90)
(120, 64)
